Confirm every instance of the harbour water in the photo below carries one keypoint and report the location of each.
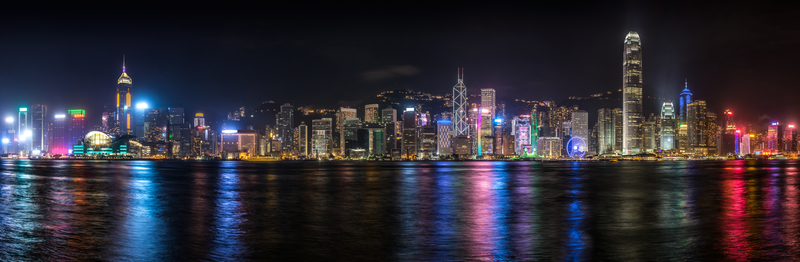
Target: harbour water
(399, 211)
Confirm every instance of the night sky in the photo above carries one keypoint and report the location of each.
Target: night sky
(738, 56)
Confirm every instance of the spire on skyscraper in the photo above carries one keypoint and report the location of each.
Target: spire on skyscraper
(123, 63)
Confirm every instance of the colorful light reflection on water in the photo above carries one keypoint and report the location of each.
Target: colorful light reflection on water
(432, 211)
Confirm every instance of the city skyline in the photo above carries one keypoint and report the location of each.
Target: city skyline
(190, 67)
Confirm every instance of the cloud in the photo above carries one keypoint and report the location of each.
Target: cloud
(389, 73)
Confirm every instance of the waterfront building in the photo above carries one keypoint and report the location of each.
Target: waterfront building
(284, 121)
(606, 131)
(371, 113)
(684, 100)
(460, 126)
(39, 129)
(618, 127)
(632, 94)
(668, 122)
(488, 102)
(77, 125)
(374, 139)
(321, 132)
(409, 148)
(199, 120)
(697, 116)
(444, 137)
(123, 115)
(427, 141)
(579, 127)
(790, 139)
(302, 139)
(96, 143)
(59, 142)
(389, 119)
(349, 136)
(549, 147)
(521, 128)
(683, 138)
(239, 144)
(649, 139)
(139, 115)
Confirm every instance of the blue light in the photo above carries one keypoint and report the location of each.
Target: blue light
(498, 120)
(774, 123)
(230, 131)
(409, 109)
(444, 121)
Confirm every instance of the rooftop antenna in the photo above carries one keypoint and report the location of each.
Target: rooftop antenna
(123, 63)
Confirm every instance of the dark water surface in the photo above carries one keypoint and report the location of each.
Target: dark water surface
(421, 211)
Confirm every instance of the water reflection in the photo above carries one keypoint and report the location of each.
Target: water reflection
(436, 211)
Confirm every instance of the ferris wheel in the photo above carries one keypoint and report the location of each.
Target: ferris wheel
(576, 147)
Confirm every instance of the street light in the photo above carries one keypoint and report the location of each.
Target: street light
(9, 120)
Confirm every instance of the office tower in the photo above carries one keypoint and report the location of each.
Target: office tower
(488, 102)
(580, 126)
(123, 116)
(746, 147)
(389, 118)
(199, 120)
(23, 132)
(444, 130)
(155, 125)
(302, 139)
(373, 138)
(682, 138)
(344, 113)
(606, 131)
(409, 148)
(239, 143)
(774, 137)
(321, 131)
(77, 125)
(649, 139)
(427, 141)
(696, 118)
(349, 135)
(550, 147)
(284, 120)
(632, 94)
(498, 137)
(668, 122)
(710, 134)
(618, 127)
(39, 128)
(685, 99)
(176, 119)
(371, 113)
(522, 131)
(139, 119)
(790, 139)
(729, 124)
(185, 142)
(728, 136)
(460, 126)
(59, 144)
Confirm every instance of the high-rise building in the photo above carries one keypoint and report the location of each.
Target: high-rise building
(790, 139)
(124, 116)
(685, 99)
(77, 125)
(698, 124)
(409, 149)
(321, 132)
(39, 128)
(302, 139)
(649, 139)
(668, 122)
(59, 143)
(580, 126)
(444, 133)
(389, 118)
(606, 131)
(521, 128)
(618, 127)
(632, 94)
(371, 113)
(344, 113)
(488, 102)
(24, 132)
(774, 137)
(349, 135)
(199, 120)
(284, 120)
(139, 118)
(460, 107)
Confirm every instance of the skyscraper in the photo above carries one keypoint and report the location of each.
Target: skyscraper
(77, 126)
(632, 94)
(302, 139)
(284, 120)
(606, 132)
(321, 130)
(667, 126)
(39, 128)
(580, 126)
(488, 102)
(409, 149)
(199, 120)
(460, 125)
(685, 99)
(124, 117)
(371, 113)
(59, 143)
(444, 131)
(23, 132)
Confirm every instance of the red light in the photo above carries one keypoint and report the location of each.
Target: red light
(730, 113)
(791, 126)
(738, 131)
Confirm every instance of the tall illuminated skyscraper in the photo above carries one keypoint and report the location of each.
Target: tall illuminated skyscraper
(667, 126)
(371, 113)
(606, 131)
(488, 101)
(460, 126)
(686, 98)
(632, 94)
(124, 115)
